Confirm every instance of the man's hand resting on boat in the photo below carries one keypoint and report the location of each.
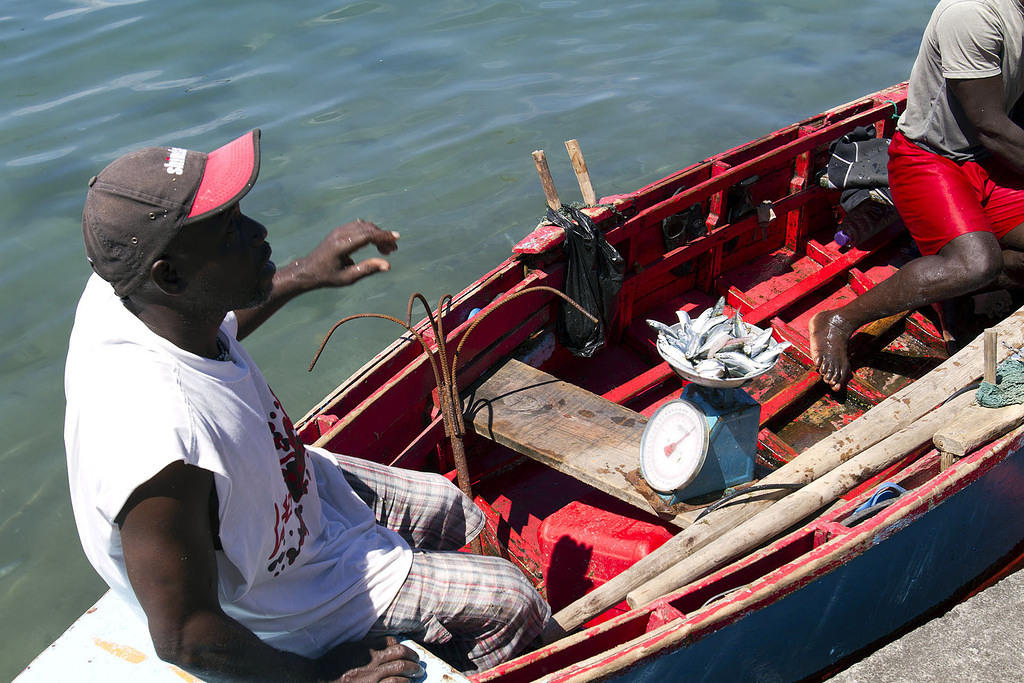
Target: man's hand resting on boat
(381, 660)
(330, 264)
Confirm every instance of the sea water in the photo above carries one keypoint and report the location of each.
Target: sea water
(419, 116)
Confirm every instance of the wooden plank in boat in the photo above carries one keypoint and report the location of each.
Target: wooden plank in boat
(563, 426)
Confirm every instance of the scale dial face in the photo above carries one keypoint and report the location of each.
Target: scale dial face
(673, 446)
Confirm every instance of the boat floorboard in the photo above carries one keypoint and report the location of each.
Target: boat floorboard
(563, 426)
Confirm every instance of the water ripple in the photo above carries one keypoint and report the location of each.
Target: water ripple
(90, 6)
(170, 84)
(126, 81)
(42, 157)
(352, 11)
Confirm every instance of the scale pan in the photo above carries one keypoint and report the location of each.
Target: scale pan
(721, 383)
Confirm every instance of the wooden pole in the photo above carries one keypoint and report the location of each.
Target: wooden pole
(752, 597)
(892, 414)
(582, 174)
(946, 460)
(546, 181)
(991, 339)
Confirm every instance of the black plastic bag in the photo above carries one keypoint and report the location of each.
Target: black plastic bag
(593, 277)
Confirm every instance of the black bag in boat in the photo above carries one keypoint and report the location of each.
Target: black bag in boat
(858, 168)
(593, 277)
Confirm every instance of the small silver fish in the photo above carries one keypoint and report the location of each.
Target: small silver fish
(771, 354)
(692, 344)
(736, 344)
(710, 368)
(715, 346)
(715, 341)
(759, 343)
(738, 329)
(663, 329)
(684, 319)
(739, 364)
(723, 325)
(674, 356)
(701, 320)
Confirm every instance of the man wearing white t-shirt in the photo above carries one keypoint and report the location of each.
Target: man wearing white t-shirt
(956, 171)
(251, 555)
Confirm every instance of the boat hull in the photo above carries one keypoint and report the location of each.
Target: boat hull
(849, 594)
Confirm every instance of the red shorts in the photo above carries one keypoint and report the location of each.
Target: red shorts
(940, 199)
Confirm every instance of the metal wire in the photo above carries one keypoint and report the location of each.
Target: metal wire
(444, 373)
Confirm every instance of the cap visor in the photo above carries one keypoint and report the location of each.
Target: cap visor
(229, 174)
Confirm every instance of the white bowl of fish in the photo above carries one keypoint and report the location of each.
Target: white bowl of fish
(716, 350)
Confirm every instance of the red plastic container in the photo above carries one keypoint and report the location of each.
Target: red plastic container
(582, 547)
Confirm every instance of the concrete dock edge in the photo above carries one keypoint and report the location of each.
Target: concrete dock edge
(981, 639)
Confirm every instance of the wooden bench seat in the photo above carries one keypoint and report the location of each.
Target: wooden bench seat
(563, 426)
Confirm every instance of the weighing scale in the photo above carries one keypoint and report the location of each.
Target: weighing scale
(702, 442)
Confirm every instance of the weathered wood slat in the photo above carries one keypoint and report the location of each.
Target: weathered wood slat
(975, 426)
(563, 426)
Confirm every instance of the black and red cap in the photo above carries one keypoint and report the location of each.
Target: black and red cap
(140, 202)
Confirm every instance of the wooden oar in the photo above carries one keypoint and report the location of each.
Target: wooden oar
(894, 413)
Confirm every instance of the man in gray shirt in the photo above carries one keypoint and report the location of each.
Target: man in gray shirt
(956, 170)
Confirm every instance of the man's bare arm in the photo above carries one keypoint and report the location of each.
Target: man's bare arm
(169, 553)
(329, 265)
(982, 102)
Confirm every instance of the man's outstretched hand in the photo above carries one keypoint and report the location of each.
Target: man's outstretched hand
(331, 263)
(373, 660)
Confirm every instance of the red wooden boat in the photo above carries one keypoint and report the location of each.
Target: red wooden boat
(777, 584)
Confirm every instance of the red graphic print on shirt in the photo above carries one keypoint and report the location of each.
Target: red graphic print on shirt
(290, 529)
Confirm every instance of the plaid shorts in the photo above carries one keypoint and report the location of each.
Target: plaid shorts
(473, 611)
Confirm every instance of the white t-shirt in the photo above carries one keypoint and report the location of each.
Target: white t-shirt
(304, 564)
(964, 39)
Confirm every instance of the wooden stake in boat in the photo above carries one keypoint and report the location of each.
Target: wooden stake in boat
(550, 193)
(991, 338)
(582, 174)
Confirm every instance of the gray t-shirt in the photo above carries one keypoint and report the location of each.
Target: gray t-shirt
(964, 39)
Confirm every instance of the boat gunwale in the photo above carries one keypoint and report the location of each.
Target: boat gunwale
(825, 127)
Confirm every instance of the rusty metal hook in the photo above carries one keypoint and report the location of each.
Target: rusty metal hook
(445, 374)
